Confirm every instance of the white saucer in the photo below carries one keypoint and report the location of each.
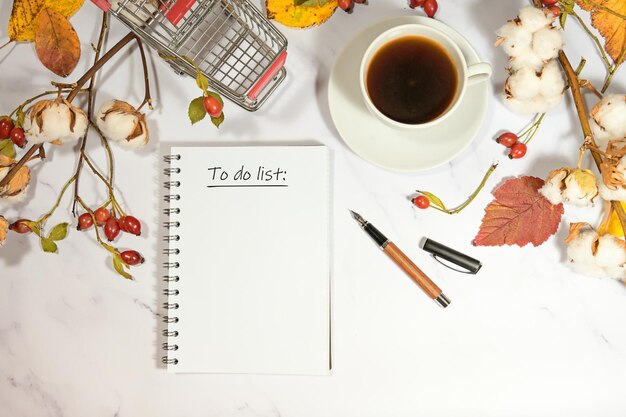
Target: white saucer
(399, 149)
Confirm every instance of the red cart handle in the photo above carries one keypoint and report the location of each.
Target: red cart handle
(267, 77)
(103, 4)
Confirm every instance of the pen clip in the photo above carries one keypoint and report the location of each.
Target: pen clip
(463, 271)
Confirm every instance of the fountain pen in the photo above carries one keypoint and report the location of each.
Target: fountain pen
(403, 261)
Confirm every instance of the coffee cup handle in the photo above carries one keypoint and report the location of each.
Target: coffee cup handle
(477, 73)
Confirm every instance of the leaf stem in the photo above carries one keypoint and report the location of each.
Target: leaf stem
(90, 101)
(594, 38)
(56, 205)
(532, 129)
(613, 70)
(471, 197)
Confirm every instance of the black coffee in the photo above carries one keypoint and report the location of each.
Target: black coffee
(411, 80)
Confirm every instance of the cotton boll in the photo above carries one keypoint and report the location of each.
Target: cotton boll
(581, 256)
(576, 195)
(552, 82)
(601, 135)
(553, 185)
(521, 106)
(120, 122)
(54, 121)
(610, 113)
(527, 58)
(547, 43)
(611, 255)
(523, 84)
(515, 39)
(618, 194)
(533, 18)
(550, 103)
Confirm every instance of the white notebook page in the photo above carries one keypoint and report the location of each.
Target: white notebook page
(254, 289)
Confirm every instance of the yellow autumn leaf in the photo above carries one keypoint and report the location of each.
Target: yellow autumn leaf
(611, 224)
(24, 14)
(609, 17)
(287, 13)
(4, 227)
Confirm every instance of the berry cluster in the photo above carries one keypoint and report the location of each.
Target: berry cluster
(8, 129)
(430, 6)
(552, 5)
(348, 5)
(112, 227)
(517, 149)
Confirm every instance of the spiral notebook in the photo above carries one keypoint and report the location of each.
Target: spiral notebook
(249, 277)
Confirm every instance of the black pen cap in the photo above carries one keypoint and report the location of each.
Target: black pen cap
(438, 250)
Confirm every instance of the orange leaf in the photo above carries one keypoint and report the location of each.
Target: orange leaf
(609, 17)
(519, 215)
(4, 226)
(56, 42)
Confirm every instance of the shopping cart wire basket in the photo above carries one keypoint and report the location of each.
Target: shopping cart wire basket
(240, 52)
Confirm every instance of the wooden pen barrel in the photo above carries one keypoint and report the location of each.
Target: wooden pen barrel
(416, 274)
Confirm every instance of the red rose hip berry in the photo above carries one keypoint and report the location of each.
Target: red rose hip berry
(518, 150)
(18, 137)
(556, 10)
(430, 7)
(111, 229)
(131, 225)
(101, 215)
(131, 257)
(421, 201)
(549, 2)
(416, 3)
(346, 5)
(6, 125)
(212, 106)
(507, 139)
(20, 226)
(84, 221)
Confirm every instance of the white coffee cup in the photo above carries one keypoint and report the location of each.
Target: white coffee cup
(466, 74)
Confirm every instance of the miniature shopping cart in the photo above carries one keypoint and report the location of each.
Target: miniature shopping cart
(240, 52)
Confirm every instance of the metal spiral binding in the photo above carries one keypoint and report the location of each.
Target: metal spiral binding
(170, 305)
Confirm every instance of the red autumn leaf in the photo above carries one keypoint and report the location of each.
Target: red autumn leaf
(519, 215)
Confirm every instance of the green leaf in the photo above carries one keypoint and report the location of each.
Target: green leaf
(7, 148)
(34, 226)
(217, 121)
(568, 6)
(202, 82)
(197, 111)
(58, 232)
(562, 19)
(118, 264)
(20, 117)
(310, 3)
(217, 96)
(48, 245)
(433, 199)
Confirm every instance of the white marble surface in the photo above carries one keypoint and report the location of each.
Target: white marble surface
(523, 337)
